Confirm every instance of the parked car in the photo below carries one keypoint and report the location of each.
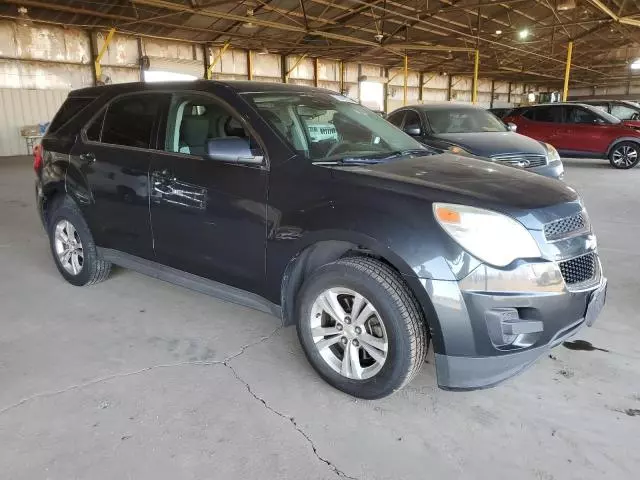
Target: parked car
(367, 241)
(628, 112)
(579, 130)
(500, 112)
(473, 130)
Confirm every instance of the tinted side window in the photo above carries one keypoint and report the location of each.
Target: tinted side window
(546, 114)
(94, 130)
(129, 121)
(396, 119)
(68, 110)
(581, 115)
(412, 119)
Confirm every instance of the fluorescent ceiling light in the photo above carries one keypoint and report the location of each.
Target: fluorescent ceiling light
(524, 33)
(635, 65)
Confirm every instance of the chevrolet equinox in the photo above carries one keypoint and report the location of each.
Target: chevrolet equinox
(299, 202)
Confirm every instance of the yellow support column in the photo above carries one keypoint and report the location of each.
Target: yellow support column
(216, 59)
(476, 67)
(103, 50)
(567, 72)
(249, 65)
(406, 80)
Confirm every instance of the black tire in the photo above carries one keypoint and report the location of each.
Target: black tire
(625, 155)
(94, 269)
(398, 309)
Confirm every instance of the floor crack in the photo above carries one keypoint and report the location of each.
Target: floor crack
(291, 420)
(106, 378)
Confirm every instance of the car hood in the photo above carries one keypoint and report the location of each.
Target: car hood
(631, 123)
(486, 144)
(457, 179)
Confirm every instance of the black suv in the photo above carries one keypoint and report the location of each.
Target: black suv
(299, 202)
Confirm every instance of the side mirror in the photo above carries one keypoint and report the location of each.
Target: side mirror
(232, 149)
(512, 127)
(598, 121)
(414, 130)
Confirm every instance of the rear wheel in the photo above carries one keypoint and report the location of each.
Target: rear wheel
(73, 248)
(361, 328)
(625, 155)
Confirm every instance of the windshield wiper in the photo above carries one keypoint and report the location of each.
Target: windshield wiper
(350, 161)
(412, 151)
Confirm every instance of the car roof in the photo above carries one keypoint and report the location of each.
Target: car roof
(239, 86)
(443, 106)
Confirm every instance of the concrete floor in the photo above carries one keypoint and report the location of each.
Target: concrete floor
(136, 378)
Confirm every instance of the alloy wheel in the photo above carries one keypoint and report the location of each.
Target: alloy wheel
(625, 155)
(68, 247)
(349, 333)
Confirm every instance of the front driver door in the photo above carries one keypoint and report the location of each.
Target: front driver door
(208, 216)
(585, 131)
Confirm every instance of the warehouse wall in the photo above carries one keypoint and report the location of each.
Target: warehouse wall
(39, 65)
(21, 106)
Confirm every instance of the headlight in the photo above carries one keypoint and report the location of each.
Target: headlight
(458, 150)
(492, 237)
(552, 153)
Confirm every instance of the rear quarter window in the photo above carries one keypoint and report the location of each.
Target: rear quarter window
(69, 109)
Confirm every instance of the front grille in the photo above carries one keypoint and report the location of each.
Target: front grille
(565, 226)
(523, 160)
(580, 269)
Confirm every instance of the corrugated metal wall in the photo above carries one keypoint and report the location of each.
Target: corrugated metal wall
(20, 107)
(40, 64)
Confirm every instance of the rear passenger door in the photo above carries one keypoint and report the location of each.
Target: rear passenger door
(208, 216)
(113, 155)
(543, 123)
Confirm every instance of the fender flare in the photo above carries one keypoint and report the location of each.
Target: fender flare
(337, 243)
(619, 140)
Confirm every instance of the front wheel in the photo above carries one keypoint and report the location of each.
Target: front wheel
(361, 328)
(625, 155)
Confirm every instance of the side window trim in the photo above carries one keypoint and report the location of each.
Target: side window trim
(162, 139)
(105, 109)
(402, 114)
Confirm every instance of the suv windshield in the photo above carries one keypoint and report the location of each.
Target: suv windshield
(464, 120)
(328, 127)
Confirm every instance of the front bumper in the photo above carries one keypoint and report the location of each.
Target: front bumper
(496, 323)
(553, 169)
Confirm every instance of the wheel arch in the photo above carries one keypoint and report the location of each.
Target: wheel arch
(321, 252)
(619, 140)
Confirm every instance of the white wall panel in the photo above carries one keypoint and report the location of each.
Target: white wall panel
(334, 86)
(303, 70)
(167, 49)
(350, 72)
(233, 62)
(123, 50)
(434, 95)
(20, 107)
(121, 74)
(267, 65)
(25, 74)
(329, 70)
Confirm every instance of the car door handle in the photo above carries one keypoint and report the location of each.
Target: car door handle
(88, 157)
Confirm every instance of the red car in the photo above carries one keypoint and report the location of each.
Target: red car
(578, 130)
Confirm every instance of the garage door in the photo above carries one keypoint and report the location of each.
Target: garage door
(194, 68)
